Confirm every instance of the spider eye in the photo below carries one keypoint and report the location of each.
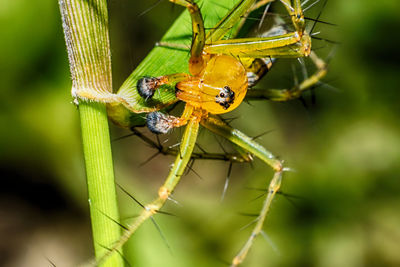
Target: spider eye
(225, 97)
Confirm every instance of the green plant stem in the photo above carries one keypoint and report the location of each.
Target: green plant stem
(100, 179)
(85, 24)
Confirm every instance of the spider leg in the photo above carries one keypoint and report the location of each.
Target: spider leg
(147, 86)
(196, 62)
(295, 91)
(235, 136)
(164, 192)
(273, 188)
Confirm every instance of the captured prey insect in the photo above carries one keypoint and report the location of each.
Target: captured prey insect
(220, 72)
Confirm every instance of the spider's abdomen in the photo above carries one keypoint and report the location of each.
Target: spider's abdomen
(219, 88)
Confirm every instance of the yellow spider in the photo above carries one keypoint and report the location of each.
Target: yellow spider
(219, 70)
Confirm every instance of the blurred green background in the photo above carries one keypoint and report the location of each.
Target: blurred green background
(344, 148)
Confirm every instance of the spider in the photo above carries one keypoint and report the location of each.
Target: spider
(221, 71)
(220, 74)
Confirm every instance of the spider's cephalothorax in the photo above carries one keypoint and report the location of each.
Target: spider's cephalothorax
(218, 88)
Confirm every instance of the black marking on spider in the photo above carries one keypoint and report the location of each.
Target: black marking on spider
(146, 86)
(225, 97)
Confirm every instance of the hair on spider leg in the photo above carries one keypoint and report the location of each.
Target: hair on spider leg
(248, 102)
(131, 196)
(230, 120)
(50, 261)
(326, 85)
(304, 3)
(322, 22)
(248, 214)
(287, 5)
(190, 168)
(288, 197)
(140, 204)
(319, 14)
(112, 219)
(303, 69)
(147, 140)
(150, 8)
(310, 6)
(170, 150)
(150, 159)
(201, 148)
(226, 181)
(270, 242)
(250, 223)
(119, 253)
(265, 13)
(220, 144)
(303, 102)
(161, 233)
(170, 198)
(326, 40)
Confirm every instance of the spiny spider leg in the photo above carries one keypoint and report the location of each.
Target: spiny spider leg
(240, 157)
(295, 91)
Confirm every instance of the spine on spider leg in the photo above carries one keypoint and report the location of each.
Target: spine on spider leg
(85, 25)
(174, 176)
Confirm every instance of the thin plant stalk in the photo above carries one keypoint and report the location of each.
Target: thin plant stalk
(85, 24)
